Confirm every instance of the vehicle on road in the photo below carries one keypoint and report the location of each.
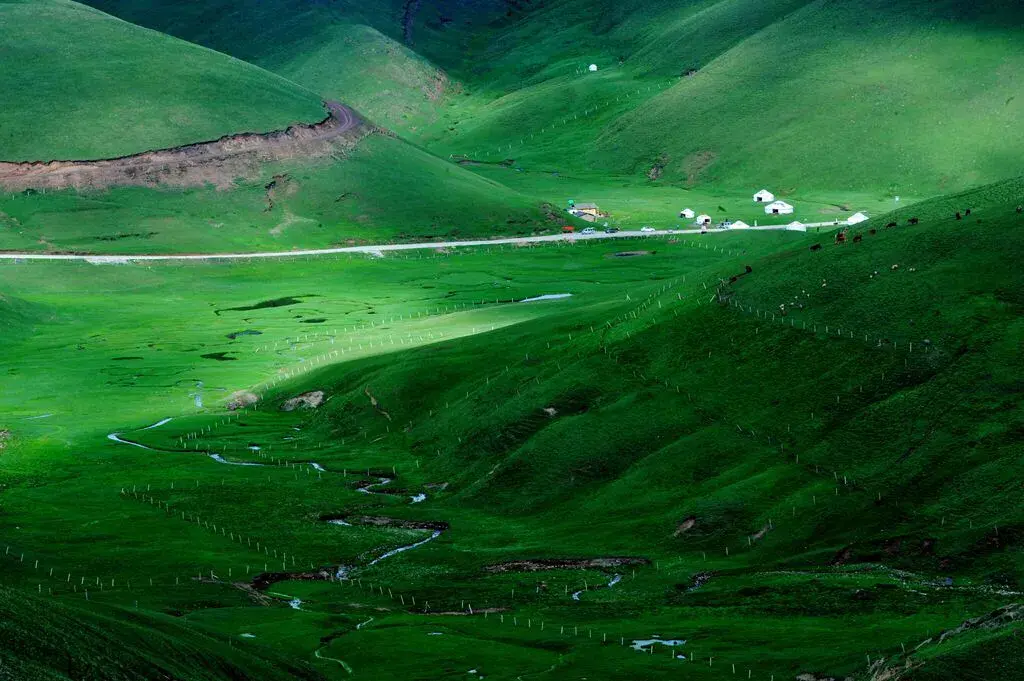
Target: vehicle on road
(588, 230)
(647, 229)
(611, 230)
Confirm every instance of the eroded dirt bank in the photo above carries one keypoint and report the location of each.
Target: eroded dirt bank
(218, 163)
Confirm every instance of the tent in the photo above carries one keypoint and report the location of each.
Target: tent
(764, 196)
(687, 213)
(778, 208)
(857, 218)
(703, 219)
(739, 224)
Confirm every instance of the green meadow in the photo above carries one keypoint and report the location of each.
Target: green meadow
(747, 454)
(766, 456)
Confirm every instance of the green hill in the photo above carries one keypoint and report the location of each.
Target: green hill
(802, 95)
(79, 84)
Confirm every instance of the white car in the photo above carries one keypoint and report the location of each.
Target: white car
(588, 230)
(647, 229)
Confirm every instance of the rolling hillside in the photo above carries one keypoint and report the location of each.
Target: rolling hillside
(79, 84)
(329, 181)
(803, 95)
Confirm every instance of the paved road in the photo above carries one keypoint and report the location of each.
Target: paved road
(378, 249)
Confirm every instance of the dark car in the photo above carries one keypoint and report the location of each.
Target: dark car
(611, 230)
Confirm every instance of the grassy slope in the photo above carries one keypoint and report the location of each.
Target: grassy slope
(47, 640)
(79, 84)
(921, 450)
(385, 190)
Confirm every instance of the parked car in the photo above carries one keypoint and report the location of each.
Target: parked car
(588, 230)
(611, 230)
(647, 229)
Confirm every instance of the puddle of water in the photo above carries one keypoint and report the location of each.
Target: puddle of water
(220, 459)
(546, 296)
(248, 635)
(295, 604)
(645, 645)
(317, 467)
(435, 633)
(254, 448)
(615, 580)
(417, 498)
(366, 489)
(339, 521)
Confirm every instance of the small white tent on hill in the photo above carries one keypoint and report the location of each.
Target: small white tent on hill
(592, 68)
(739, 224)
(687, 213)
(764, 196)
(857, 218)
(703, 219)
(778, 208)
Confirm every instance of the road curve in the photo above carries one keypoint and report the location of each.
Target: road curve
(378, 249)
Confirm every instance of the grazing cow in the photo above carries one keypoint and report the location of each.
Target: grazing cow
(891, 224)
(913, 221)
(857, 238)
(1020, 209)
(960, 217)
(967, 212)
(816, 247)
(749, 269)
(840, 237)
(872, 231)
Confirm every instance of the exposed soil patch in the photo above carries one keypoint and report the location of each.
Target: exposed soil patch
(310, 400)
(658, 167)
(219, 356)
(218, 163)
(247, 332)
(123, 359)
(278, 185)
(685, 526)
(315, 320)
(5, 437)
(242, 399)
(537, 565)
(375, 404)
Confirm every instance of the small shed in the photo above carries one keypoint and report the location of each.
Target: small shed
(703, 219)
(857, 218)
(589, 208)
(764, 196)
(687, 213)
(778, 208)
(739, 224)
(592, 68)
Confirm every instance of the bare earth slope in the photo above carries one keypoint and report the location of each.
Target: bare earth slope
(218, 163)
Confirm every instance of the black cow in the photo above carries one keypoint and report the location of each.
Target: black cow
(1020, 209)
(967, 212)
(872, 231)
(857, 238)
(816, 247)
(913, 221)
(960, 217)
(891, 224)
